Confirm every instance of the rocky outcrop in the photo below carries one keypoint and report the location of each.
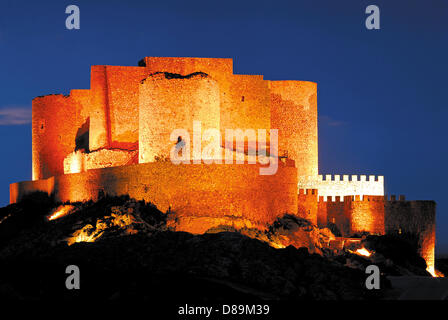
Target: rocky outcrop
(125, 249)
(133, 254)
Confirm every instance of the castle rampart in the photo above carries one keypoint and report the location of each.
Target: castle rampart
(366, 214)
(203, 193)
(345, 185)
(382, 215)
(334, 212)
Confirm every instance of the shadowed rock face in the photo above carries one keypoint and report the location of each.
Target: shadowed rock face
(286, 231)
(136, 255)
(82, 137)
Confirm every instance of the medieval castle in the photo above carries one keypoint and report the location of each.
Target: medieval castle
(115, 138)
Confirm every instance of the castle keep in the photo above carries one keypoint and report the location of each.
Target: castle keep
(115, 138)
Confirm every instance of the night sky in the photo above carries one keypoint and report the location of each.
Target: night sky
(381, 93)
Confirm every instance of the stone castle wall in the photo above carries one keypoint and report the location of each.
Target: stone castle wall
(307, 205)
(333, 211)
(381, 215)
(209, 194)
(167, 104)
(294, 114)
(56, 120)
(115, 95)
(366, 214)
(353, 214)
(415, 217)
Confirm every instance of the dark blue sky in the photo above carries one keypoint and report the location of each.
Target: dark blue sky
(381, 101)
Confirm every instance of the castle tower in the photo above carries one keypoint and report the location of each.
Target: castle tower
(56, 121)
(366, 214)
(114, 101)
(307, 205)
(294, 114)
(168, 103)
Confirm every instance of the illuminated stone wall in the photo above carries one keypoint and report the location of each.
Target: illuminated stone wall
(215, 67)
(333, 211)
(366, 214)
(219, 69)
(353, 214)
(377, 214)
(77, 161)
(244, 99)
(307, 205)
(167, 104)
(19, 189)
(111, 113)
(115, 92)
(322, 213)
(55, 123)
(415, 217)
(246, 104)
(99, 136)
(208, 194)
(294, 114)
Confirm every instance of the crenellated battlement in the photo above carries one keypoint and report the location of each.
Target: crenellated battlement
(392, 198)
(337, 199)
(307, 192)
(350, 178)
(365, 198)
(330, 186)
(359, 198)
(353, 198)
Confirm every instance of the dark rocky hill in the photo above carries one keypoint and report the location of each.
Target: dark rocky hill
(132, 254)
